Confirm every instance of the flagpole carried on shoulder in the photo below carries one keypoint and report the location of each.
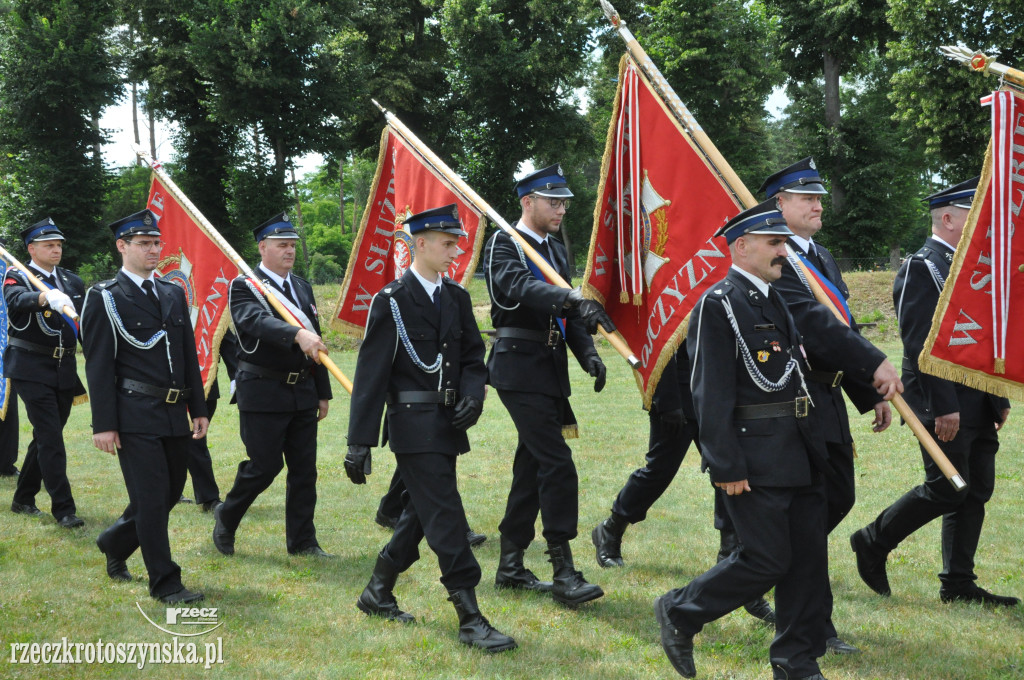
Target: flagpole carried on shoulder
(473, 198)
(242, 265)
(68, 310)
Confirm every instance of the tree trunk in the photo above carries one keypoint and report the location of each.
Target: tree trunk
(298, 217)
(894, 257)
(97, 147)
(135, 120)
(152, 132)
(341, 192)
(568, 251)
(833, 120)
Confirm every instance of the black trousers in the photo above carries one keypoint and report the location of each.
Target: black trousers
(973, 453)
(46, 461)
(9, 434)
(782, 532)
(543, 473)
(391, 503)
(200, 465)
(434, 511)
(273, 440)
(154, 475)
(665, 454)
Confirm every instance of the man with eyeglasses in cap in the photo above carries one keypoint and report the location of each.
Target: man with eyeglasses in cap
(145, 385)
(747, 378)
(534, 320)
(40, 361)
(282, 391)
(841, 359)
(423, 358)
(965, 420)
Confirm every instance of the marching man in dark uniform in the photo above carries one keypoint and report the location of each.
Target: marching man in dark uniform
(752, 404)
(534, 320)
(423, 356)
(40, 362)
(964, 420)
(282, 390)
(840, 358)
(145, 384)
(673, 427)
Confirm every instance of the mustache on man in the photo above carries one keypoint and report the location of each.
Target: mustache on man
(779, 261)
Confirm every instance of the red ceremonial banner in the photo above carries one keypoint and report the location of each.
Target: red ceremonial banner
(652, 253)
(973, 332)
(194, 262)
(405, 184)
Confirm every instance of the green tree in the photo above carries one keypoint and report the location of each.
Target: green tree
(56, 76)
(939, 96)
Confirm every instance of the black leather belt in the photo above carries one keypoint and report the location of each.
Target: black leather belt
(825, 377)
(799, 408)
(46, 350)
(170, 395)
(290, 378)
(444, 397)
(551, 337)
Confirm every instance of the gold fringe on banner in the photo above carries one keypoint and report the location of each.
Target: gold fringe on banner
(7, 399)
(80, 399)
(570, 432)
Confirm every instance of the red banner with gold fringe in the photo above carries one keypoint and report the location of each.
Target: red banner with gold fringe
(973, 332)
(404, 185)
(652, 253)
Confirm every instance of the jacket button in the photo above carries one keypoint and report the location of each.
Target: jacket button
(444, 345)
(743, 429)
(447, 363)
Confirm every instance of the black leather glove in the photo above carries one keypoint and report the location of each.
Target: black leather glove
(358, 463)
(672, 422)
(591, 312)
(595, 367)
(467, 412)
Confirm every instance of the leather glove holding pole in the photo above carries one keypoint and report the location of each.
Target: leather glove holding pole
(591, 312)
(65, 308)
(358, 463)
(467, 412)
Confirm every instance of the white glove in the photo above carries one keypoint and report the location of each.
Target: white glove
(57, 300)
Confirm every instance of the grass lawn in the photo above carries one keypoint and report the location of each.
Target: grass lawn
(291, 617)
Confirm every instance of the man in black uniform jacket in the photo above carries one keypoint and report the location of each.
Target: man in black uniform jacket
(673, 427)
(751, 400)
(837, 353)
(422, 354)
(40, 361)
(965, 422)
(282, 390)
(534, 320)
(144, 384)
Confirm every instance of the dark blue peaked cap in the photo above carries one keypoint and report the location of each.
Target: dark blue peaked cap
(959, 195)
(800, 178)
(278, 226)
(444, 219)
(43, 230)
(142, 223)
(763, 218)
(549, 182)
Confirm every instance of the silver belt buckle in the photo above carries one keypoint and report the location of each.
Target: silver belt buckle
(293, 378)
(172, 396)
(553, 336)
(449, 397)
(802, 408)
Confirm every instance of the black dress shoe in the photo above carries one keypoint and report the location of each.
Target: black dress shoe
(223, 538)
(25, 509)
(840, 646)
(209, 506)
(975, 593)
(185, 500)
(116, 568)
(183, 596)
(11, 472)
(385, 521)
(678, 646)
(760, 609)
(816, 676)
(475, 539)
(313, 551)
(870, 565)
(71, 521)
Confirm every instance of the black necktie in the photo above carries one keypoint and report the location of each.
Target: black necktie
(147, 286)
(288, 291)
(545, 251)
(52, 280)
(437, 298)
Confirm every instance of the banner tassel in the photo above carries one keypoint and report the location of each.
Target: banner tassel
(1000, 366)
(623, 297)
(638, 299)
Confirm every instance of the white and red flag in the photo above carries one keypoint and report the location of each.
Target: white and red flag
(974, 331)
(405, 184)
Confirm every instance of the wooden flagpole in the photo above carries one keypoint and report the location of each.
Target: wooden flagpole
(978, 61)
(34, 280)
(242, 265)
(472, 197)
(745, 199)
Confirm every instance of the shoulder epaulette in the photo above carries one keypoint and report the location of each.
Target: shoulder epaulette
(391, 287)
(104, 284)
(453, 282)
(720, 289)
